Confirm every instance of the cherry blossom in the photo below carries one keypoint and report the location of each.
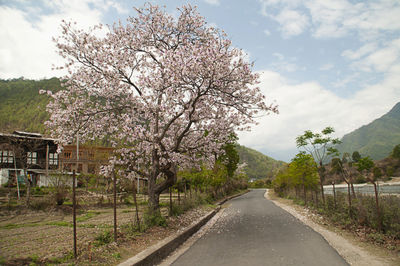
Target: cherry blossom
(166, 91)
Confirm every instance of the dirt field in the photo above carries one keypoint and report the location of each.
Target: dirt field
(39, 236)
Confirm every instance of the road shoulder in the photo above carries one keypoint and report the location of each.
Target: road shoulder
(354, 253)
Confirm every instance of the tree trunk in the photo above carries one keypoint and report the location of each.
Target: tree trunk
(305, 194)
(334, 194)
(28, 188)
(154, 197)
(321, 181)
(136, 205)
(156, 189)
(185, 189)
(349, 196)
(377, 207)
(115, 203)
(352, 190)
(170, 200)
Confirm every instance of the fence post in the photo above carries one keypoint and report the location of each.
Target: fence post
(74, 210)
(334, 193)
(115, 205)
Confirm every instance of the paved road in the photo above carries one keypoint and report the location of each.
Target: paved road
(254, 231)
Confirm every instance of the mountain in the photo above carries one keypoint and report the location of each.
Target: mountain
(21, 105)
(377, 139)
(258, 165)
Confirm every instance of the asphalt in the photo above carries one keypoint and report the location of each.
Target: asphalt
(254, 231)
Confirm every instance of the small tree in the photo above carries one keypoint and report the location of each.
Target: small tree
(60, 183)
(367, 167)
(344, 168)
(396, 152)
(302, 170)
(356, 156)
(229, 159)
(319, 146)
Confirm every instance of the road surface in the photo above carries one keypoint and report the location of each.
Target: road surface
(253, 231)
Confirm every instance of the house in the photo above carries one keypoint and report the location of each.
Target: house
(88, 161)
(30, 152)
(37, 155)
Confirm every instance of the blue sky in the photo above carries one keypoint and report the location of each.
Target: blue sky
(325, 62)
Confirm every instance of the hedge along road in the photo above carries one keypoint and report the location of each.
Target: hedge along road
(254, 231)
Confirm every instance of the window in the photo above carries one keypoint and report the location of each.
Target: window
(53, 159)
(32, 157)
(6, 157)
(67, 155)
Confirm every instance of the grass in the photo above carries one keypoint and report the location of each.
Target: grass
(87, 216)
(59, 223)
(15, 226)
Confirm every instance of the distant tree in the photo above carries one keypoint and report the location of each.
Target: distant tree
(230, 159)
(367, 167)
(356, 156)
(396, 152)
(343, 167)
(319, 146)
(303, 171)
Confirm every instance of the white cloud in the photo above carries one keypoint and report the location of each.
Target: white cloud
(292, 22)
(267, 32)
(373, 58)
(326, 67)
(27, 48)
(362, 51)
(213, 2)
(334, 18)
(344, 81)
(308, 105)
(283, 64)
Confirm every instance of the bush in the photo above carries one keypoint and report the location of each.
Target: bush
(360, 180)
(41, 203)
(154, 218)
(103, 238)
(60, 196)
(362, 213)
(39, 191)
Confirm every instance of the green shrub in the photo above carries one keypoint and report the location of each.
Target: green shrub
(154, 218)
(360, 180)
(104, 238)
(40, 203)
(39, 191)
(132, 229)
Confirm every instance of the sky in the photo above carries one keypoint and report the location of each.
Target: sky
(323, 62)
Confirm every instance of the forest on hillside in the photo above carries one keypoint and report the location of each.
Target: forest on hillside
(376, 139)
(21, 105)
(23, 108)
(258, 165)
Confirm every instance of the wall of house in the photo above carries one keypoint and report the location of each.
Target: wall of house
(3, 176)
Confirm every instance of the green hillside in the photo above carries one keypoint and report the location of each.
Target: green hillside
(376, 139)
(258, 165)
(23, 108)
(21, 105)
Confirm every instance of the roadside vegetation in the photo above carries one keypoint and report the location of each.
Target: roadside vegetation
(43, 232)
(373, 217)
